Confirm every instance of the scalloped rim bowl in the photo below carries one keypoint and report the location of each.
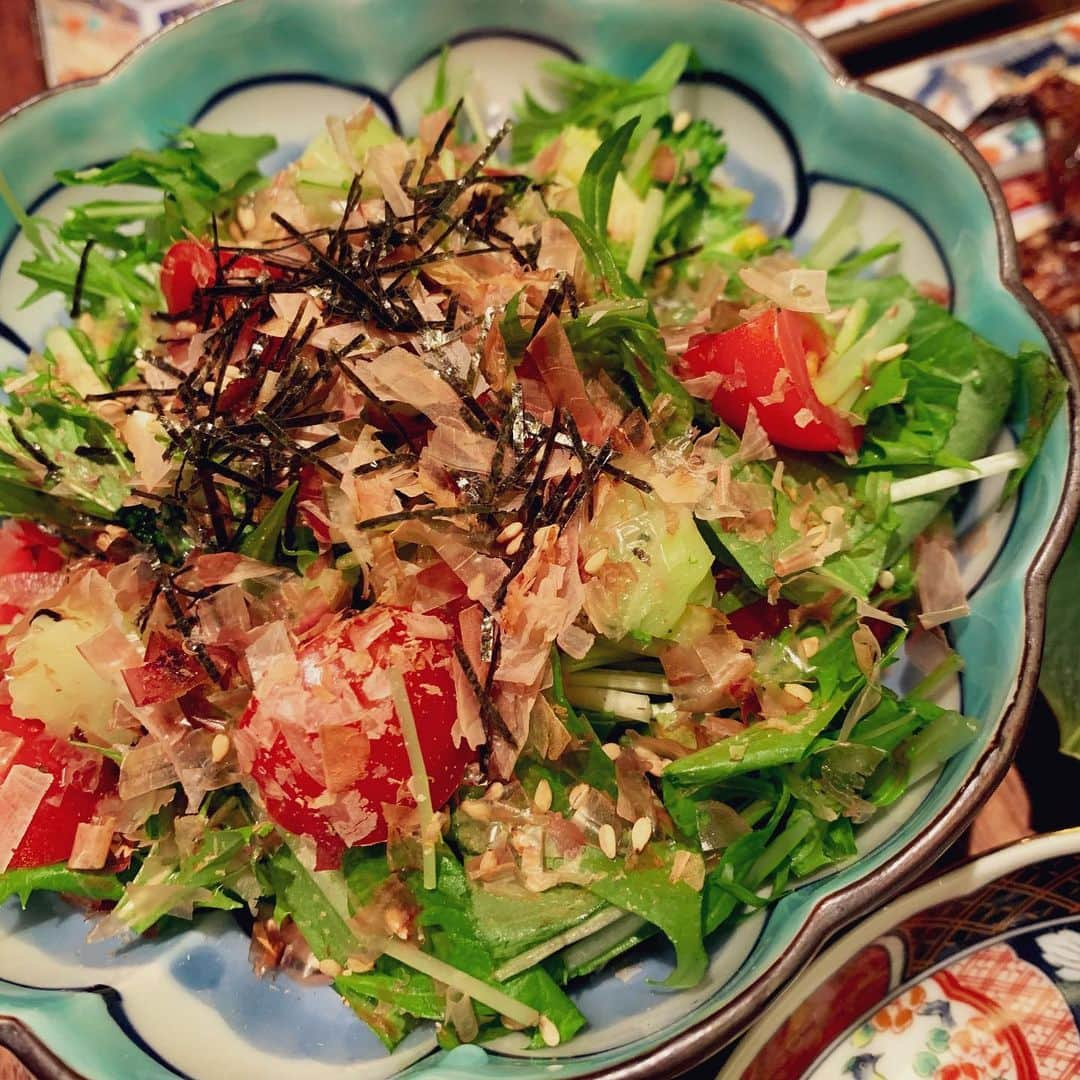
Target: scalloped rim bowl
(800, 133)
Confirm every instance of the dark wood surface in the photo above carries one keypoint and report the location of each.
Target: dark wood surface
(21, 72)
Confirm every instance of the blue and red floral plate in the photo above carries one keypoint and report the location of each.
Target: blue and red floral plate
(974, 976)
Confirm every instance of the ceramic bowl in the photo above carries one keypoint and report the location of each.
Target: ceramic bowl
(801, 135)
(974, 974)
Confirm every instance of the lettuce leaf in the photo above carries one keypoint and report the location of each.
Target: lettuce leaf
(1042, 390)
(451, 923)
(88, 466)
(204, 878)
(393, 996)
(646, 889)
(1059, 678)
(942, 401)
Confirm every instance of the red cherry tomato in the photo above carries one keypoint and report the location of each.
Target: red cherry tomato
(81, 781)
(760, 619)
(763, 363)
(189, 266)
(291, 768)
(24, 548)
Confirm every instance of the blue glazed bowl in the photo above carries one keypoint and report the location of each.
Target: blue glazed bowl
(801, 134)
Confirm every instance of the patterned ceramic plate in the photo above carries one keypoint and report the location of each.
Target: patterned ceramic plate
(82, 38)
(973, 976)
(801, 135)
(960, 83)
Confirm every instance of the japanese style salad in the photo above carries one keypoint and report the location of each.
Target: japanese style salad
(468, 557)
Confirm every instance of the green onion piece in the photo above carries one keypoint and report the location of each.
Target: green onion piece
(840, 236)
(420, 789)
(651, 214)
(468, 984)
(914, 487)
(843, 376)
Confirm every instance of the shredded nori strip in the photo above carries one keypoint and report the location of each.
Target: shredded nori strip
(489, 714)
(80, 278)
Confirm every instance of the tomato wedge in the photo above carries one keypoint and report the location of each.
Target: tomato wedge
(760, 619)
(189, 266)
(763, 363)
(327, 769)
(27, 550)
(80, 781)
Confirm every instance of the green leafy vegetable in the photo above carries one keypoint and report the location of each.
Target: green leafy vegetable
(598, 256)
(1059, 678)
(262, 542)
(647, 890)
(598, 179)
(53, 444)
(621, 335)
(760, 746)
(205, 877)
(592, 98)
(90, 884)
(201, 173)
(1042, 393)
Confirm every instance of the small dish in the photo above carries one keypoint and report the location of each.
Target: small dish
(970, 975)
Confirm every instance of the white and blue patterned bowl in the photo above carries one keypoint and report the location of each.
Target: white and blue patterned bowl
(800, 134)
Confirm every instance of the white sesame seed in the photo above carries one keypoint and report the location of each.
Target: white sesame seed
(606, 839)
(245, 218)
(542, 796)
(596, 560)
(891, 352)
(515, 528)
(495, 791)
(397, 922)
(577, 795)
(549, 1032)
(678, 866)
(797, 690)
(515, 545)
(477, 810)
(810, 646)
(641, 833)
(832, 514)
(330, 967)
(681, 121)
(219, 748)
(837, 315)
(886, 579)
(612, 750)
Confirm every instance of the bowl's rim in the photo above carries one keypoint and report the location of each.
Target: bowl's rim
(838, 909)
